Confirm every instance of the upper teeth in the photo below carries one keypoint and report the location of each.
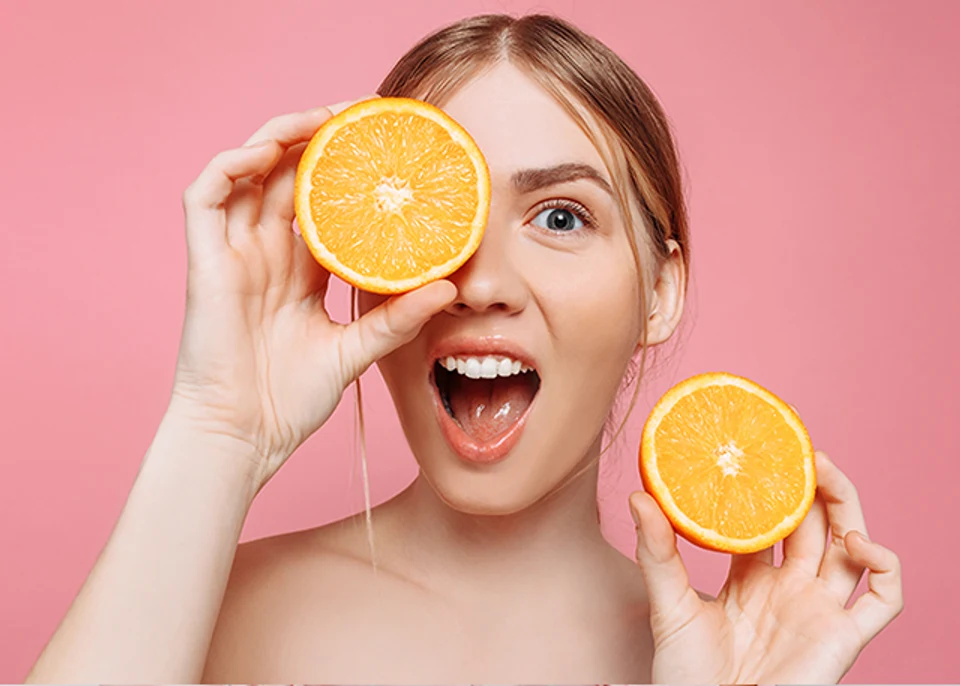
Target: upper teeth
(488, 367)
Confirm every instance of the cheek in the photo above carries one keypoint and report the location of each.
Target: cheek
(595, 309)
(593, 315)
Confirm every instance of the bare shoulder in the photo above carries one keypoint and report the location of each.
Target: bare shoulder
(287, 600)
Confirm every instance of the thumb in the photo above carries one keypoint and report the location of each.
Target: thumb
(391, 324)
(657, 556)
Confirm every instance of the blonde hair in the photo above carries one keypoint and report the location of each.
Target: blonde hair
(591, 82)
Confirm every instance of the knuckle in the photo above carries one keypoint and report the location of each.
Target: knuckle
(191, 195)
(377, 330)
(197, 193)
(895, 565)
(385, 331)
(843, 488)
(288, 119)
(388, 323)
(898, 605)
(347, 361)
(850, 491)
(846, 490)
(277, 121)
(219, 161)
(274, 125)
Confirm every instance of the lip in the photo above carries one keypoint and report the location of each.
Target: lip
(466, 447)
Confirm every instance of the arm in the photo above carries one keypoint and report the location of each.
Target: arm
(261, 366)
(176, 538)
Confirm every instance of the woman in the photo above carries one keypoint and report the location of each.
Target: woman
(491, 565)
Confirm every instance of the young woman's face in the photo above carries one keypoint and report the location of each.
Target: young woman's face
(553, 286)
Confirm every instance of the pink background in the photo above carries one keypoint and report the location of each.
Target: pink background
(820, 140)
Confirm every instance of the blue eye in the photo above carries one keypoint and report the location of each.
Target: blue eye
(558, 219)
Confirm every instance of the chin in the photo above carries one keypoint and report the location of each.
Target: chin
(512, 485)
(481, 494)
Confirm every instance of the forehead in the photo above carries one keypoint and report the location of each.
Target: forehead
(519, 125)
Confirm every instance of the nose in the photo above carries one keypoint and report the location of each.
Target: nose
(488, 281)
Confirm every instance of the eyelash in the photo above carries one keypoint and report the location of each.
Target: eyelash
(576, 208)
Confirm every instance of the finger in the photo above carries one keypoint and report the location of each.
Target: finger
(664, 573)
(278, 206)
(205, 199)
(391, 324)
(278, 209)
(291, 128)
(838, 569)
(742, 564)
(245, 205)
(307, 278)
(243, 208)
(804, 548)
(341, 106)
(884, 600)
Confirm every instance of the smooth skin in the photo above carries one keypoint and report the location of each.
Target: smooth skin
(496, 577)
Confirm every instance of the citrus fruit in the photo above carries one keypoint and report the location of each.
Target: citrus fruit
(392, 193)
(730, 464)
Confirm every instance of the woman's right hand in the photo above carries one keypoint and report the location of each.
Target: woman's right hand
(260, 360)
(260, 367)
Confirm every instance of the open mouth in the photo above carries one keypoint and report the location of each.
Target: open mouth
(485, 396)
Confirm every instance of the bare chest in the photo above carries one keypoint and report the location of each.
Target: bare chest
(408, 635)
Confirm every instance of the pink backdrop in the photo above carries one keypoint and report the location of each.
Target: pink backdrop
(820, 140)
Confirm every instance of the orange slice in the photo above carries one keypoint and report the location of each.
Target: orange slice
(730, 463)
(392, 193)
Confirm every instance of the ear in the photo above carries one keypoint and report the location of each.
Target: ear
(667, 296)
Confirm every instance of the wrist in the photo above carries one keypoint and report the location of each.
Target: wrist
(190, 448)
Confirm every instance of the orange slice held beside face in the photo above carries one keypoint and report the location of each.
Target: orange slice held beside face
(391, 194)
(730, 464)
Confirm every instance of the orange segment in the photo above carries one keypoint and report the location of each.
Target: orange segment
(730, 463)
(391, 194)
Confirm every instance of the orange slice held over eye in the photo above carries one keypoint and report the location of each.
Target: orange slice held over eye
(391, 194)
(730, 464)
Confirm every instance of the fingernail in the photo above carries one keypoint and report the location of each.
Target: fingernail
(259, 144)
(862, 536)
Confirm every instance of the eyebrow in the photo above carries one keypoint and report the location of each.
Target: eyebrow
(529, 180)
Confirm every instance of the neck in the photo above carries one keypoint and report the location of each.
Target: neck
(563, 525)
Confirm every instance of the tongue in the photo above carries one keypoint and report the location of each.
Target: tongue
(486, 408)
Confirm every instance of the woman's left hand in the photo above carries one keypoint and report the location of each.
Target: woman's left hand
(786, 624)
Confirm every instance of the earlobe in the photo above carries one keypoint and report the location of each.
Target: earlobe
(658, 329)
(652, 327)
